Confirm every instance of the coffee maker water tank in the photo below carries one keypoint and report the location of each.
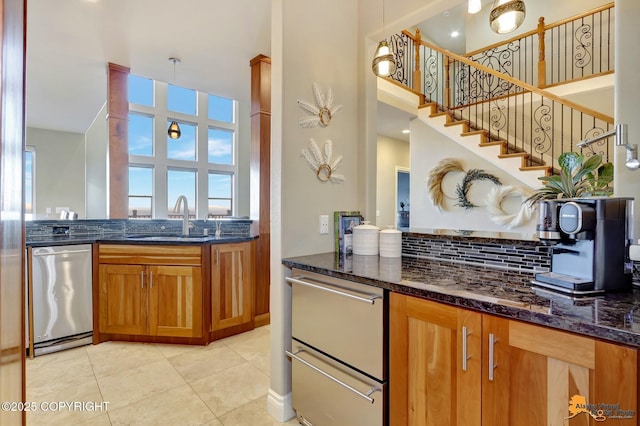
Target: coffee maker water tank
(547, 226)
(576, 218)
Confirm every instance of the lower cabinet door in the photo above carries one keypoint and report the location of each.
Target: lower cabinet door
(232, 293)
(122, 299)
(326, 392)
(175, 301)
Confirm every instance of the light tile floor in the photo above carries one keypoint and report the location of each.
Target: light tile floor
(224, 383)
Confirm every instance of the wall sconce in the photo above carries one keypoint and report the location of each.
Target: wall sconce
(506, 15)
(174, 129)
(383, 64)
(620, 132)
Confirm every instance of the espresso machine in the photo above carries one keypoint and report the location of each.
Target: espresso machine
(590, 240)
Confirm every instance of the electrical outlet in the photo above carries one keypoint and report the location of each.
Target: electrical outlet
(324, 224)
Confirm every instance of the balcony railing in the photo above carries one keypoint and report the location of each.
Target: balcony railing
(527, 118)
(495, 89)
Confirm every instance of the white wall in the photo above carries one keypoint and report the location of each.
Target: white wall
(428, 147)
(311, 42)
(627, 92)
(96, 150)
(392, 153)
(60, 171)
(478, 33)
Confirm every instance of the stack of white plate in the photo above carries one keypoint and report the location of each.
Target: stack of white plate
(366, 239)
(390, 243)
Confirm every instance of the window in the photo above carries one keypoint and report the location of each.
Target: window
(200, 165)
(29, 183)
(220, 194)
(140, 192)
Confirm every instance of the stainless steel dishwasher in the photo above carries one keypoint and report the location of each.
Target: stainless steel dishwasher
(338, 355)
(61, 297)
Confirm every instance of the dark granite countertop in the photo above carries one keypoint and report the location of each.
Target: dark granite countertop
(489, 290)
(59, 240)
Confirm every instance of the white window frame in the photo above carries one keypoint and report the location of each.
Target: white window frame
(161, 163)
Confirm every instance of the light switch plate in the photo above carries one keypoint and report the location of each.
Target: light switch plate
(324, 224)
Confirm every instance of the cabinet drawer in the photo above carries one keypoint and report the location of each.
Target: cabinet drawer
(326, 392)
(342, 318)
(138, 254)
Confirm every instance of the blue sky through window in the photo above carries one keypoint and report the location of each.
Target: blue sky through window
(180, 181)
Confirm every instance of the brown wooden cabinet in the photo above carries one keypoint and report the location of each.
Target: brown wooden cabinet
(232, 288)
(149, 291)
(453, 366)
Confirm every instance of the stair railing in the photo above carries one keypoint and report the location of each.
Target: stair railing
(568, 50)
(526, 118)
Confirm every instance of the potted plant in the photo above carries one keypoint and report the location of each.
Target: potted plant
(579, 177)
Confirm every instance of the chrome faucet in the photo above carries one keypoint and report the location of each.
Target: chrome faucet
(185, 214)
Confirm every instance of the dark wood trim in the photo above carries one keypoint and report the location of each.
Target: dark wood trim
(261, 176)
(118, 124)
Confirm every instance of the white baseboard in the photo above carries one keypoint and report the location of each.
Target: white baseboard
(279, 407)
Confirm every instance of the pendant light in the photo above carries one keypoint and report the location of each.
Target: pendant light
(474, 6)
(506, 15)
(174, 129)
(384, 63)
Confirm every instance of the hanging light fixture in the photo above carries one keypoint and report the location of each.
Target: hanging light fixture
(174, 129)
(384, 63)
(474, 6)
(506, 15)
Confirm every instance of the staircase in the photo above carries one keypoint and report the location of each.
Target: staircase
(516, 126)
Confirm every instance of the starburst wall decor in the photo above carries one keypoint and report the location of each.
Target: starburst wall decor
(321, 163)
(323, 110)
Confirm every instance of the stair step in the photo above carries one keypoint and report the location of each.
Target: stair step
(502, 144)
(463, 123)
(428, 105)
(484, 135)
(441, 114)
(514, 155)
(546, 169)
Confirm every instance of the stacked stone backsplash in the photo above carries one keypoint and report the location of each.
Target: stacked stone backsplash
(96, 228)
(510, 254)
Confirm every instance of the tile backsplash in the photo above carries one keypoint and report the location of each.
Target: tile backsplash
(515, 255)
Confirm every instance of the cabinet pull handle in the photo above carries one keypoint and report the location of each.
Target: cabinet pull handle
(217, 257)
(141, 279)
(492, 364)
(465, 357)
(150, 279)
(330, 377)
(367, 298)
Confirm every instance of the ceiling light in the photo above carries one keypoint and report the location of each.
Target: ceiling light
(506, 15)
(455, 34)
(406, 131)
(174, 129)
(474, 6)
(384, 63)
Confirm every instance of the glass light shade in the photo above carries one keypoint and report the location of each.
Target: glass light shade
(506, 15)
(384, 64)
(174, 130)
(474, 6)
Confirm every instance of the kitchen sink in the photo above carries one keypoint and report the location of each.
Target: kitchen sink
(195, 238)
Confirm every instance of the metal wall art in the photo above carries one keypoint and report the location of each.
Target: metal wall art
(323, 110)
(321, 163)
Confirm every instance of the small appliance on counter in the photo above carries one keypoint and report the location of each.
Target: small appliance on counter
(590, 240)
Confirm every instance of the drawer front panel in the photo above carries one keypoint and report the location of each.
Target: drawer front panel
(326, 392)
(341, 318)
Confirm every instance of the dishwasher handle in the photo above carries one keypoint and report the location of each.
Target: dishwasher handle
(58, 253)
(330, 377)
(367, 298)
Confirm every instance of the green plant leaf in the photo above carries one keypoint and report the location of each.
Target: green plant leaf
(569, 162)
